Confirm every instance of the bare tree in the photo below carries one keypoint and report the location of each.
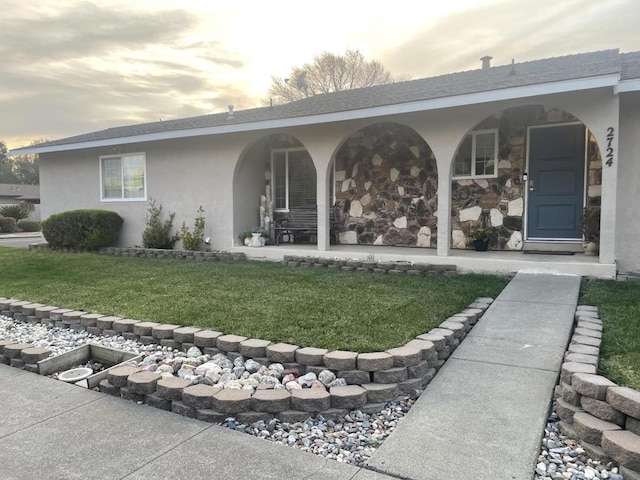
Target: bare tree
(329, 73)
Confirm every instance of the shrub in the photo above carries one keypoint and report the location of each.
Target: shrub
(29, 225)
(193, 240)
(8, 224)
(82, 229)
(19, 211)
(157, 233)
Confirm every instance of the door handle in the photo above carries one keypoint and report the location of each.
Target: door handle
(531, 187)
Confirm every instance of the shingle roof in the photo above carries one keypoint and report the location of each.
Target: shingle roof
(630, 66)
(570, 67)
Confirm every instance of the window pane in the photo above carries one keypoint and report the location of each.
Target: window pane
(462, 162)
(280, 179)
(302, 180)
(133, 169)
(111, 177)
(485, 153)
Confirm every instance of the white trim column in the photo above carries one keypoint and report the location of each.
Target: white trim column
(322, 194)
(600, 112)
(608, 143)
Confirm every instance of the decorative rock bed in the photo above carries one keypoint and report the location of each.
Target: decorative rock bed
(250, 378)
(602, 416)
(338, 404)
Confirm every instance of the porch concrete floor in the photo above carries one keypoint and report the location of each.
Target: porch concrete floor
(466, 260)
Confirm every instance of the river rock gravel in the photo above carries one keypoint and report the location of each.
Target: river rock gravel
(351, 438)
(562, 458)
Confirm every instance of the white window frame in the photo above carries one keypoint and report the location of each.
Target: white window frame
(144, 177)
(286, 171)
(473, 175)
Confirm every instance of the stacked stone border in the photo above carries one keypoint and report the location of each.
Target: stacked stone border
(602, 416)
(402, 268)
(365, 266)
(372, 379)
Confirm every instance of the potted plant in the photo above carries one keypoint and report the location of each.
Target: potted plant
(590, 224)
(245, 237)
(480, 238)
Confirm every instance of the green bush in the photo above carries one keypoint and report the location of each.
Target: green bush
(157, 233)
(19, 211)
(8, 224)
(29, 225)
(193, 240)
(82, 229)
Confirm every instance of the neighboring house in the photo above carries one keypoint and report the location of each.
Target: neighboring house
(12, 194)
(522, 147)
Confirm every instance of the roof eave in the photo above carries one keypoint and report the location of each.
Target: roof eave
(610, 80)
(631, 85)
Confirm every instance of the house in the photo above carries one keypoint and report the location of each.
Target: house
(408, 168)
(12, 194)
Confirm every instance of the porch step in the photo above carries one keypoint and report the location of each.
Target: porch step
(552, 247)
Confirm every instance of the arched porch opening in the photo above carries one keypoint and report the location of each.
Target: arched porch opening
(273, 175)
(527, 173)
(384, 185)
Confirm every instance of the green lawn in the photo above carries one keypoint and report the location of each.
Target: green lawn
(619, 308)
(307, 307)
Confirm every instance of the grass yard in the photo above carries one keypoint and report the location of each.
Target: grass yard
(619, 308)
(306, 307)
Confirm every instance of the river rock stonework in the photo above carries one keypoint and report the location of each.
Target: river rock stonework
(386, 184)
(499, 202)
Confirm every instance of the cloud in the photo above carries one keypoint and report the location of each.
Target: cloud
(520, 30)
(84, 67)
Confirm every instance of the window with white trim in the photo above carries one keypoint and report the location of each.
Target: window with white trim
(477, 155)
(294, 179)
(123, 177)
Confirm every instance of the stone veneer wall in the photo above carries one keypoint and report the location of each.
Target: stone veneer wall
(386, 184)
(372, 378)
(499, 202)
(602, 416)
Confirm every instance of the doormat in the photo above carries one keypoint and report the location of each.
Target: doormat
(543, 252)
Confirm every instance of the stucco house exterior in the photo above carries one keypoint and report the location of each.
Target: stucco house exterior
(401, 171)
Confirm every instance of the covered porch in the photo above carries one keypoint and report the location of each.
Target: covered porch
(466, 261)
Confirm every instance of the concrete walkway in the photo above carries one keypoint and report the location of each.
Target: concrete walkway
(481, 418)
(483, 415)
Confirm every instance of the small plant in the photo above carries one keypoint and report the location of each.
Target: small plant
(82, 229)
(8, 224)
(19, 211)
(482, 234)
(157, 233)
(29, 225)
(194, 241)
(244, 235)
(590, 224)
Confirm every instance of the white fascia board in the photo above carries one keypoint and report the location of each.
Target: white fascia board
(370, 112)
(629, 85)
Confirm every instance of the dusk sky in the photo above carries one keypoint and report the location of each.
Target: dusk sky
(71, 67)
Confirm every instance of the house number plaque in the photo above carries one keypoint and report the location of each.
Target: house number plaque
(609, 155)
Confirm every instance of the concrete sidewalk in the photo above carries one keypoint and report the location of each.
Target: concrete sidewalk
(53, 430)
(483, 415)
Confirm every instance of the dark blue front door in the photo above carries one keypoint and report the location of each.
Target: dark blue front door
(556, 182)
